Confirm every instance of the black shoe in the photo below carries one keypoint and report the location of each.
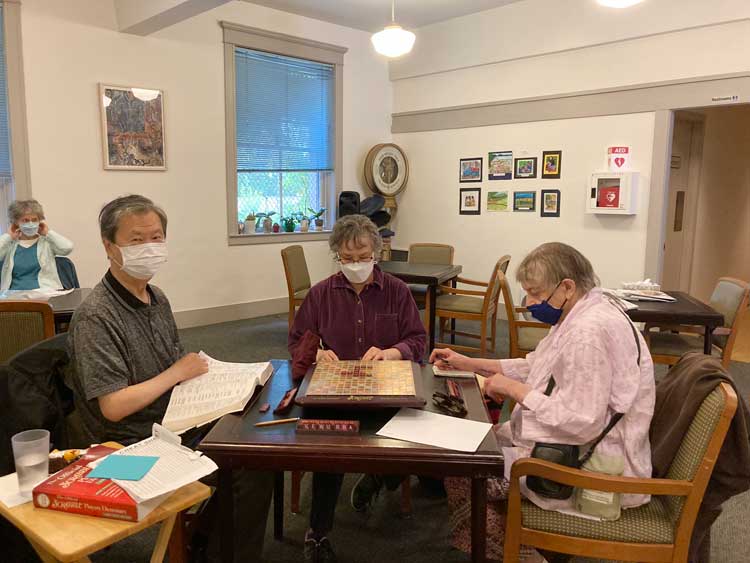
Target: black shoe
(365, 490)
(318, 550)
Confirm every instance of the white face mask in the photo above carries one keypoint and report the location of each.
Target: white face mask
(358, 272)
(142, 261)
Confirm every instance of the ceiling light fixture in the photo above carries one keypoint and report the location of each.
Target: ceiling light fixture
(394, 40)
(619, 3)
(145, 95)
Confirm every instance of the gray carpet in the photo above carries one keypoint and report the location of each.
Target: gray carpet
(384, 535)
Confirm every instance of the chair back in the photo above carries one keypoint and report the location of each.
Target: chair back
(66, 270)
(23, 323)
(430, 253)
(295, 269)
(493, 288)
(729, 297)
(510, 310)
(696, 457)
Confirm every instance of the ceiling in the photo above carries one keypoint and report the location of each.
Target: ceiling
(372, 15)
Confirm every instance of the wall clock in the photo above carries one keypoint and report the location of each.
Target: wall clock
(386, 169)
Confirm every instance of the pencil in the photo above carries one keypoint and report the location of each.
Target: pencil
(279, 421)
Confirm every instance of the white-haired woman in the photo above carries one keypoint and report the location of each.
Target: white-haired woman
(593, 354)
(28, 249)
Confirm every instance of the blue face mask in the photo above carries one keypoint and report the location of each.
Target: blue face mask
(29, 229)
(545, 312)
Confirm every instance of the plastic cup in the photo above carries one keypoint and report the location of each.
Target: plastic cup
(31, 455)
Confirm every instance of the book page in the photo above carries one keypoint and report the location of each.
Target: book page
(225, 388)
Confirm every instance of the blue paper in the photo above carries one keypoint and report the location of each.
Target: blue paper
(125, 467)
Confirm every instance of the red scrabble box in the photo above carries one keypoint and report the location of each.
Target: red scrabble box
(69, 490)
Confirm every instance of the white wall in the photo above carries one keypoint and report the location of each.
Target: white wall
(69, 47)
(428, 210)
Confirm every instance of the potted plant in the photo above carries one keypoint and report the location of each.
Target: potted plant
(265, 220)
(288, 223)
(276, 227)
(250, 223)
(304, 222)
(317, 217)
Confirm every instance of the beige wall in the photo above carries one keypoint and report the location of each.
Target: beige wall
(722, 237)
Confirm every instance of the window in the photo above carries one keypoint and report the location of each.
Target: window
(6, 173)
(284, 131)
(285, 137)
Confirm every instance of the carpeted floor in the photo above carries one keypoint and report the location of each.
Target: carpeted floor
(384, 535)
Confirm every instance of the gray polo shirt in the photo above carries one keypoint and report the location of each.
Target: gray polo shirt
(116, 340)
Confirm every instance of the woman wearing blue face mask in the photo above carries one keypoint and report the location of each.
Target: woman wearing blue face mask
(28, 249)
(588, 368)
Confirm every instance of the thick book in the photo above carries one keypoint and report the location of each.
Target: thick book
(70, 490)
(225, 388)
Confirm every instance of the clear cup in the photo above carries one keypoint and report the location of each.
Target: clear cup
(31, 455)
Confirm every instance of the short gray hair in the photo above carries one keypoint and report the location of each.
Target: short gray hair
(110, 215)
(552, 262)
(19, 208)
(355, 227)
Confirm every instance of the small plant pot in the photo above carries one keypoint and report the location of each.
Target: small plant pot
(276, 227)
(304, 225)
(249, 227)
(267, 225)
(318, 224)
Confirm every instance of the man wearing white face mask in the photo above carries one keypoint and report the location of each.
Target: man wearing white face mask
(28, 249)
(127, 356)
(359, 313)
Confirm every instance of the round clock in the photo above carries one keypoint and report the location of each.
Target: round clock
(386, 169)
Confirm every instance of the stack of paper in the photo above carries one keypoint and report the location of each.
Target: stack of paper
(226, 388)
(644, 295)
(36, 294)
(442, 431)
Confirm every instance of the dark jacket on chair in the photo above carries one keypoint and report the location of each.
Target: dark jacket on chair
(678, 396)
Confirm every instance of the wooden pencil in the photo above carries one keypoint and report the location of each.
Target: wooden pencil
(279, 421)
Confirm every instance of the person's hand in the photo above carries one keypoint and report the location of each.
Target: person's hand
(377, 354)
(445, 358)
(326, 356)
(43, 228)
(500, 386)
(14, 231)
(189, 366)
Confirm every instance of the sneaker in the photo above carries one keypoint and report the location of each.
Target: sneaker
(365, 490)
(318, 550)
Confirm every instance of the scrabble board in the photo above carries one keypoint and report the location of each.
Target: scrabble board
(358, 383)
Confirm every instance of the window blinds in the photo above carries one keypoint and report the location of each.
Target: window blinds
(285, 113)
(5, 162)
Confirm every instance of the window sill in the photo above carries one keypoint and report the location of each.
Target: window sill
(276, 238)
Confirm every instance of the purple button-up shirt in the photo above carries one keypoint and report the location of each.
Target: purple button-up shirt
(383, 315)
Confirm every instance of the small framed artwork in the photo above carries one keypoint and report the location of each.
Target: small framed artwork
(526, 167)
(470, 170)
(497, 201)
(132, 128)
(470, 201)
(551, 164)
(500, 165)
(524, 201)
(550, 203)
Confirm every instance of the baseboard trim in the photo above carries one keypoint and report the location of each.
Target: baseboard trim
(227, 313)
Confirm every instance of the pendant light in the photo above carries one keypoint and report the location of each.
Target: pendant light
(394, 40)
(619, 3)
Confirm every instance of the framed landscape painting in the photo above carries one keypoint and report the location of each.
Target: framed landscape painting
(132, 128)
(497, 201)
(524, 201)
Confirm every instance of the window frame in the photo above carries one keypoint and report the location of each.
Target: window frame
(235, 35)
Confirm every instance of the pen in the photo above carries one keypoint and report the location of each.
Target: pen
(280, 421)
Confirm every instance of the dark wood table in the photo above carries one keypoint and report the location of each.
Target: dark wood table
(64, 306)
(431, 275)
(686, 310)
(235, 442)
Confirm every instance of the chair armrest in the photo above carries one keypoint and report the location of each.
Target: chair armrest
(456, 291)
(532, 324)
(471, 282)
(599, 481)
(722, 331)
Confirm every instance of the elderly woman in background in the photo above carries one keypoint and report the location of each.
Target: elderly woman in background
(360, 313)
(29, 248)
(592, 353)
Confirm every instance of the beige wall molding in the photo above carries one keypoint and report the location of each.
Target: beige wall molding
(669, 95)
(228, 313)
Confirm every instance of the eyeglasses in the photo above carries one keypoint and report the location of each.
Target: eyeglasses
(346, 260)
(454, 405)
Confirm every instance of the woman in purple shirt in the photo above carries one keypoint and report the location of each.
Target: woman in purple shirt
(360, 313)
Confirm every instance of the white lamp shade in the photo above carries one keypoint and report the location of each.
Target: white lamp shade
(393, 41)
(619, 3)
(145, 95)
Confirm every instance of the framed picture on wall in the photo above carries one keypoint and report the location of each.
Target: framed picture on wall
(132, 128)
(524, 201)
(525, 167)
(500, 165)
(550, 203)
(551, 164)
(470, 170)
(470, 201)
(497, 201)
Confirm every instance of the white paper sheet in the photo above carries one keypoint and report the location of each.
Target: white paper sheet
(9, 494)
(37, 294)
(434, 429)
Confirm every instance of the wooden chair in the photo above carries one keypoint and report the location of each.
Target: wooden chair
(523, 335)
(23, 323)
(730, 298)
(657, 531)
(297, 277)
(427, 253)
(472, 305)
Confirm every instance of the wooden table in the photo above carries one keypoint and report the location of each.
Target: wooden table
(431, 275)
(63, 306)
(686, 310)
(235, 442)
(61, 536)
